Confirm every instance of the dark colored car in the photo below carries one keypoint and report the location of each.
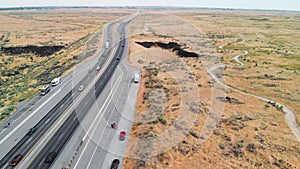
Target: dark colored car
(31, 131)
(115, 164)
(16, 160)
(50, 157)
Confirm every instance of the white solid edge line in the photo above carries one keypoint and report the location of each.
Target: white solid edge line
(103, 131)
(95, 119)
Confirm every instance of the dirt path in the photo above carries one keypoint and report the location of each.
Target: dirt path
(236, 58)
(289, 114)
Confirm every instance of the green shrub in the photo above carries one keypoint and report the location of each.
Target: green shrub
(251, 147)
(161, 120)
(222, 146)
(21, 99)
(10, 108)
(2, 117)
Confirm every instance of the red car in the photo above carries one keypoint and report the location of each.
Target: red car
(16, 160)
(122, 135)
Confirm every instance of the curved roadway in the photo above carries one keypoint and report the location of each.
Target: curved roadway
(289, 114)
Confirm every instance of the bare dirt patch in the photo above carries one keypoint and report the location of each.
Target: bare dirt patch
(247, 133)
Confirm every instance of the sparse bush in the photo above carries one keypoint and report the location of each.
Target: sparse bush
(251, 147)
(140, 61)
(239, 40)
(21, 99)
(161, 120)
(133, 128)
(222, 146)
(159, 86)
(142, 163)
(194, 134)
(240, 145)
(10, 108)
(237, 152)
(227, 138)
(2, 117)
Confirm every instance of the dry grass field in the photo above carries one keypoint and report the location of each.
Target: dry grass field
(38, 45)
(251, 133)
(272, 40)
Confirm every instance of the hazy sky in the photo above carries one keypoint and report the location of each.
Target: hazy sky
(248, 4)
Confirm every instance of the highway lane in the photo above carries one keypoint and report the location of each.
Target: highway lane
(64, 88)
(93, 151)
(117, 148)
(23, 146)
(53, 143)
(102, 120)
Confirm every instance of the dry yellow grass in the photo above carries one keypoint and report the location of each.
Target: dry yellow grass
(78, 30)
(273, 44)
(248, 133)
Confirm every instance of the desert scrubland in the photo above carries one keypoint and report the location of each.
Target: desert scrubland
(40, 44)
(185, 119)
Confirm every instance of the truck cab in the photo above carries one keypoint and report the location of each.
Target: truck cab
(136, 78)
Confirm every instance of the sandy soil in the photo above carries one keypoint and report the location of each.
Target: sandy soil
(245, 134)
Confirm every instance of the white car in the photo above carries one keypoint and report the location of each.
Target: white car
(98, 68)
(55, 81)
(45, 90)
(80, 88)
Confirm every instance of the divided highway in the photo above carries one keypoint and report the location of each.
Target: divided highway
(58, 140)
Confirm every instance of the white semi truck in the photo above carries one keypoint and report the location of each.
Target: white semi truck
(106, 44)
(136, 78)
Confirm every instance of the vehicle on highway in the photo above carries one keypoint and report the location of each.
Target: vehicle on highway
(80, 88)
(118, 58)
(98, 68)
(16, 160)
(113, 125)
(31, 131)
(50, 157)
(55, 81)
(107, 44)
(115, 164)
(122, 135)
(45, 90)
(136, 78)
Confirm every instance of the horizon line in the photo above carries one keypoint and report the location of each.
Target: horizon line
(144, 6)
